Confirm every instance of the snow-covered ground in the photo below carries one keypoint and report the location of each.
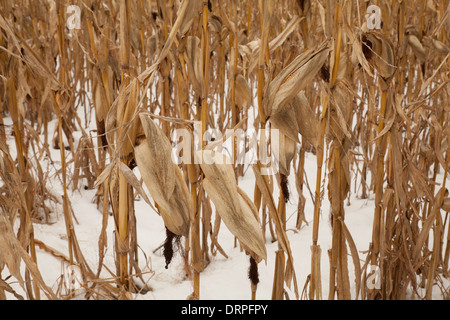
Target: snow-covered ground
(223, 279)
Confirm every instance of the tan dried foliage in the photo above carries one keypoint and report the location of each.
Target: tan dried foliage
(372, 106)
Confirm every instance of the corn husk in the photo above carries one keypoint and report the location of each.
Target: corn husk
(294, 78)
(243, 93)
(163, 178)
(412, 37)
(381, 53)
(236, 210)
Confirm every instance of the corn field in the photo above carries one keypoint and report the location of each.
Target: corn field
(94, 95)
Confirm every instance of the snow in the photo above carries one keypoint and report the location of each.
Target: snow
(224, 278)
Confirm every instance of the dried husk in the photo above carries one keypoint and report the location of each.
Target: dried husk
(193, 10)
(436, 45)
(379, 52)
(307, 121)
(163, 178)
(340, 113)
(286, 122)
(287, 148)
(193, 57)
(294, 78)
(412, 37)
(298, 117)
(446, 204)
(235, 209)
(243, 93)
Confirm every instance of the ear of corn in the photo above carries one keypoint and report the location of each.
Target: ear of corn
(163, 178)
(236, 210)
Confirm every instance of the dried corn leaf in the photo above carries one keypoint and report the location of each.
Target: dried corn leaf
(134, 182)
(13, 250)
(427, 225)
(283, 240)
(357, 54)
(254, 45)
(447, 22)
(419, 182)
(126, 115)
(6, 287)
(386, 129)
(8, 249)
(355, 257)
(397, 164)
(398, 107)
(30, 56)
